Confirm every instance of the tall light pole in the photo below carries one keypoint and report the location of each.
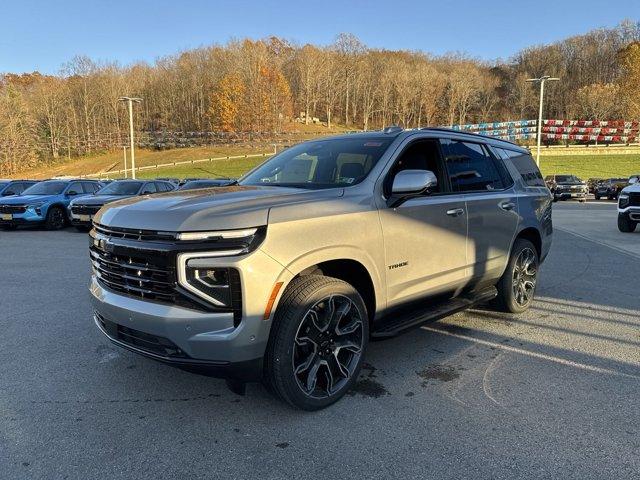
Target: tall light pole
(124, 152)
(130, 101)
(541, 81)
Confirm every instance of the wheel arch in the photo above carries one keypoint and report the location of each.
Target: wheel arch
(346, 265)
(533, 235)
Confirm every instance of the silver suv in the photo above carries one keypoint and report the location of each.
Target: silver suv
(287, 274)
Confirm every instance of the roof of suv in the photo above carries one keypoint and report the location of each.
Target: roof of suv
(395, 131)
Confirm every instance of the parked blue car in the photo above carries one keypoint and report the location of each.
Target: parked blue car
(9, 188)
(44, 203)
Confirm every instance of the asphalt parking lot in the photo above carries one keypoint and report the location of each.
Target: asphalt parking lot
(553, 393)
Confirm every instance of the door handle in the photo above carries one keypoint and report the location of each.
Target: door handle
(507, 206)
(455, 212)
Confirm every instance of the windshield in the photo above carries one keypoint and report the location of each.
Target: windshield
(120, 188)
(46, 188)
(321, 164)
(567, 179)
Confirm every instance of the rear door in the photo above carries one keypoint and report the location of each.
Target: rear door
(491, 205)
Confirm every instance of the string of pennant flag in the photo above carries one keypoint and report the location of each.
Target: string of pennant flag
(612, 131)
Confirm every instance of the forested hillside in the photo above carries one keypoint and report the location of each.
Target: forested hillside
(271, 85)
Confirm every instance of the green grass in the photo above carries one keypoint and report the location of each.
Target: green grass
(588, 166)
(217, 168)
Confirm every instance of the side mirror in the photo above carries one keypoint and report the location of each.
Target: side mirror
(411, 183)
(71, 193)
(633, 180)
(8, 193)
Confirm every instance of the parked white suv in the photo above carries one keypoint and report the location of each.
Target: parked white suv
(629, 206)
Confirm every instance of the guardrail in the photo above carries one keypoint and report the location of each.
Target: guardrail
(158, 166)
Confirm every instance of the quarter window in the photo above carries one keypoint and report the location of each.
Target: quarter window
(470, 167)
(525, 165)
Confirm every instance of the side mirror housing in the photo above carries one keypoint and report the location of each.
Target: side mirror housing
(411, 183)
(8, 193)
(71, 193)
(633, 180)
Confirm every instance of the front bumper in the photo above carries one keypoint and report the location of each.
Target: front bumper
(632, 212)
(205, 340)
(566, 195)
(29, 217)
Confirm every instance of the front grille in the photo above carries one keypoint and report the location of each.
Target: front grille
(85, 209)
(133, 234)
(13, 208)
(634, 199)
(140, 340)
(135, 276)
(127, 262)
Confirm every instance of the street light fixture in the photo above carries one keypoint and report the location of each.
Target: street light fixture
(541, 81)
(130, 101)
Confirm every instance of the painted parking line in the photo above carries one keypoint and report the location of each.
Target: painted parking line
(584, 237)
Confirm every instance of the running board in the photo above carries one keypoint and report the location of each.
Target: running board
(397, 325)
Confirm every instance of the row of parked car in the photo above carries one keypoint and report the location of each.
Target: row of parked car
(56, 203)
(566, 187)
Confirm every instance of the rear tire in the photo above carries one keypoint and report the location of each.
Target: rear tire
(625, 224)
(55, 219)
(317, 343)
(517, 286)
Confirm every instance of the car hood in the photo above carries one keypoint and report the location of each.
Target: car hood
(99, 199)
(217, 208)
(635, 188)
(28, 199)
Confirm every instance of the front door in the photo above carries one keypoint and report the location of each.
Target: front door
(424, 237)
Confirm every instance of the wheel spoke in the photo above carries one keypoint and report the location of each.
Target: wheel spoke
(312, 376)
(347, 344)
(335, 365)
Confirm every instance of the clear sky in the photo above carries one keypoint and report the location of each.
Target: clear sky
(42, 35)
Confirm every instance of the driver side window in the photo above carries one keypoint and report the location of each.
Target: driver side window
(418, 155)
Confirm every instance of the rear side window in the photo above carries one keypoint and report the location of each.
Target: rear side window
(470, 167)
(90, 187)
(525, 165)
(149, 187)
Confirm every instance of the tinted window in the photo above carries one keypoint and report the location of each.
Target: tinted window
(121, 188)
(526, 166)
(419, 155)
(321, 164)
(567, 179)
(46, 188)
(470, 167)
(90, 187)
(149, 188)
(163, 187)
(75, 187)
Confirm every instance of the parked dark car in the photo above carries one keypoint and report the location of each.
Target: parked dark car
(566, 187)
(9, 188)
(592, 182)
(44, 203)
(610, 188)
(206, 183)
(81, 212)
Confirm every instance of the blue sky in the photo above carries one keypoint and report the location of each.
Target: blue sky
(42, 35)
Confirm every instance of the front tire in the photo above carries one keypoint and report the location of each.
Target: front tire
(625, 224)
(55, 219)
(317, 343)
(517, 286)
(597, 196)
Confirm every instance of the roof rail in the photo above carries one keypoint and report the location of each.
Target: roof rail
(392, 129)
(463, 132)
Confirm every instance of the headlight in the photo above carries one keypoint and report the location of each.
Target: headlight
(198, 274)
(623, 200)
(224, 234)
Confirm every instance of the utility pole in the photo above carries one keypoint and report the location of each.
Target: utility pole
(124, 152)
(130, 101)
(541, 81)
